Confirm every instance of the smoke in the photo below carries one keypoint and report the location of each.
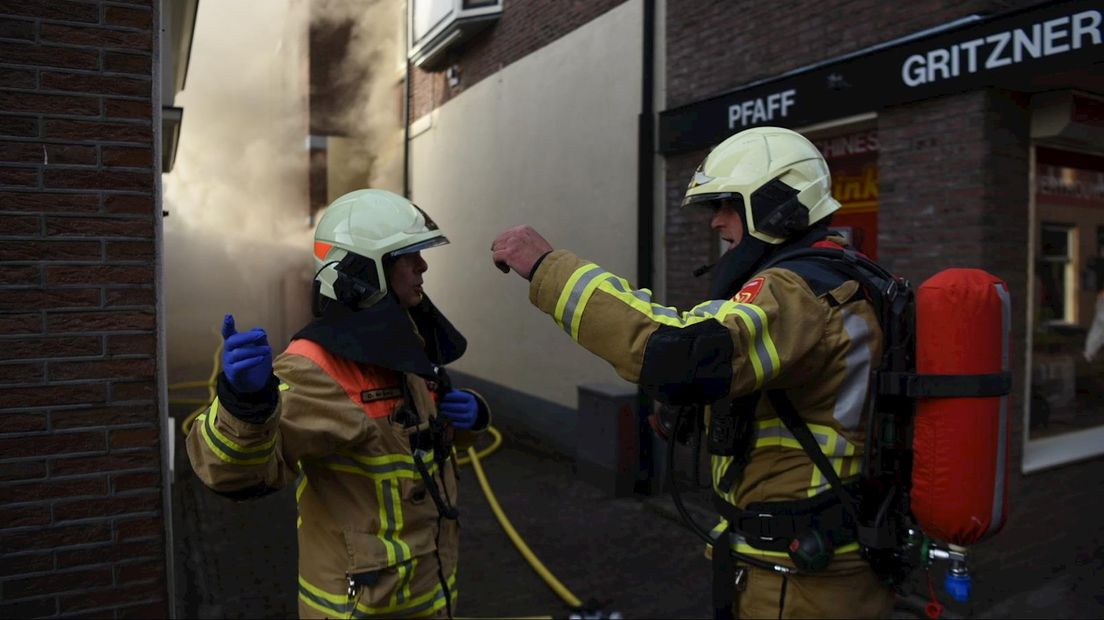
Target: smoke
(362, 84)
(238, 237)
(238, 234)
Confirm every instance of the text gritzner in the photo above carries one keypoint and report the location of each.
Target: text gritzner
(1053, 36)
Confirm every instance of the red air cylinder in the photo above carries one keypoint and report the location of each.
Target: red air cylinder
(960, 444)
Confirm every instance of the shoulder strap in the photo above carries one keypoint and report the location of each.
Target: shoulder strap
(800, 430)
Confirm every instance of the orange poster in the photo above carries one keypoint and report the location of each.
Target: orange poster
(853, 160)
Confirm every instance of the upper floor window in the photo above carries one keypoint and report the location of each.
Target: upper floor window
(436, 26)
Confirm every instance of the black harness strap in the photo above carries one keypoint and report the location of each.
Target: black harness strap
(944, 386)
(724, 576)
(800, 430)
(772, 525)
(444, 508)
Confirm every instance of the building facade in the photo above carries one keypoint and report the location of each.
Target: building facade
(963, 134)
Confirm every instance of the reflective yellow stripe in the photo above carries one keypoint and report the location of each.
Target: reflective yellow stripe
(339, 605)
(229, 450)
(299, 488)
(417, 601)
(756, 364)
(396, 502)
(587, 292)
(761, 350)
(329, 613)
(749, 550)
(640, 301)
(284, 387)
(765, 341)
(387, 526)
(568, 289)
(389, 467)
(387, 459)
(406, 576)
(771, 432)
(263, 447)
(340, 599)
(224, 452)
(720, 465)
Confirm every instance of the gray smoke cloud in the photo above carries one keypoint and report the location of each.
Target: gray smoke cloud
(238, 237)
(371, 73)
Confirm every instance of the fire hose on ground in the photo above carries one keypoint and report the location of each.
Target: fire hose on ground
(473, 458)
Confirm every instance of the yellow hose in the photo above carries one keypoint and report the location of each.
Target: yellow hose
(484, 453)
(183, 385)
(186, 423)
(548, 577)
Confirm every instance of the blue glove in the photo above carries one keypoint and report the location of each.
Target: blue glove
(246, 357)
(460, 408)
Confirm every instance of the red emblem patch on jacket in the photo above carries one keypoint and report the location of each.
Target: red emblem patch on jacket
(749, 292)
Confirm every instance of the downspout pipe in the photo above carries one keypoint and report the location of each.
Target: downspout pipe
(406, 107)
(645, 231)
(645, 168)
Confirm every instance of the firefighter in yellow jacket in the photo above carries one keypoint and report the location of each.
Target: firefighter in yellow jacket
(359, 414)
(787, 334)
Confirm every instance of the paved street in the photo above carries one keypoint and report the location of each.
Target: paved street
(238, 560)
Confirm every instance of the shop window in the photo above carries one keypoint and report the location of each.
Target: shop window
(1065, 403)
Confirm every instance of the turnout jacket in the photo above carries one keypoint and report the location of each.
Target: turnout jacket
(780, 332)
(339, 432)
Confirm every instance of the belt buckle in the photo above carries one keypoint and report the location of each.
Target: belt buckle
(765, 519)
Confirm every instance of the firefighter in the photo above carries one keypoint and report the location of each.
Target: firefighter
(793, 333)
(359, 413)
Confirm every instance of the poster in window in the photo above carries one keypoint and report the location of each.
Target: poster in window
(853, 161)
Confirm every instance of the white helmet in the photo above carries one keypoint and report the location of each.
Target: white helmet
(780, 178)
(357, 232)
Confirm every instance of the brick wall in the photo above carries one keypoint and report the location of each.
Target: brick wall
(523, 28)
(81, 523)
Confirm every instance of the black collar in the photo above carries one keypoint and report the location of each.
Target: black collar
(416, 341)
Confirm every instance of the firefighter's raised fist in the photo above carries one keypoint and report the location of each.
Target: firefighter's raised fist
(519, 248)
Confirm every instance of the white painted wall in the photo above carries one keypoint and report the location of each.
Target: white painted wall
(551, 141)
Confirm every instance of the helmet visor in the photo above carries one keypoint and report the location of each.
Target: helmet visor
(418, 247)
(713, 199)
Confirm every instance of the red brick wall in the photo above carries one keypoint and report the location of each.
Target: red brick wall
(81, 522)
(523, 28)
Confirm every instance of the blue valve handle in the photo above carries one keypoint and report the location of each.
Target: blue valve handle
(957, 586)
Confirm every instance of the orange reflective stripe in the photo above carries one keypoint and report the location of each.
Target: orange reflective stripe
(321, 249)
(352, 377)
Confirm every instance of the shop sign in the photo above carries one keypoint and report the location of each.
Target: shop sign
(1004, 50)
